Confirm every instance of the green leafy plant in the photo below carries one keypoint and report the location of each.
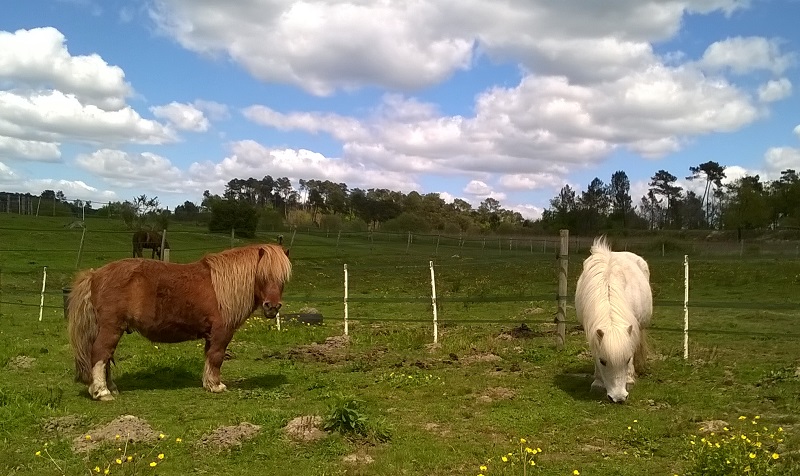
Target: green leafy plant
(346, 416)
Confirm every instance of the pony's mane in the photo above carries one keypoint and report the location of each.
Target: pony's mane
(235, 272)
(612, 311)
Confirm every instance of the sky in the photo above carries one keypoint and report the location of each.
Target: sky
(508, 99)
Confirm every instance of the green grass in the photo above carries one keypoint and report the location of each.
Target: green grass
(445, 410)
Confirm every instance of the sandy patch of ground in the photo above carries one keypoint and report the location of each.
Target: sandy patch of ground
(21, 362)
(496, 393)
(124, 428)
(358, 458)
(305, 428)
(226, 437)
(63, 424)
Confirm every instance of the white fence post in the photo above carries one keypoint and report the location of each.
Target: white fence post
(346, 316)
(41, 301)
(685, 307)
(433, 301)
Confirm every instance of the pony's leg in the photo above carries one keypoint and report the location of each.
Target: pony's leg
(112, 387)
(631, 373)
(102, 351)
(598, 379)
(215, 355)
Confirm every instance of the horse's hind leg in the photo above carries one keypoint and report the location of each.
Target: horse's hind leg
(112, 387)
(215, 355)
(102, 351)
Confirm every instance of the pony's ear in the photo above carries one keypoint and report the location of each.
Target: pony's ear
(286, 251)
(600, 334)
(260, 253)
(630, 329)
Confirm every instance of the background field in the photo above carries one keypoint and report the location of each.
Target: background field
(449, 408)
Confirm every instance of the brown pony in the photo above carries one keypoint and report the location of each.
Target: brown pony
(148, 239)
(169, 302)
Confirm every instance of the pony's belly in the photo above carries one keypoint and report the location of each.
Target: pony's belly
(172, 334)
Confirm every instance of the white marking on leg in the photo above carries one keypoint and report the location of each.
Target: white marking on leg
(98, 389)
(208, 383)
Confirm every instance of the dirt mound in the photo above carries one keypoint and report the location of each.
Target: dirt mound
(358, 458)
(62, 424)
(496, 393)
(331, 351)
(228, 436)
(712, 426)
(124, 428)
(305, 428)
(489, 357)
(21, 362)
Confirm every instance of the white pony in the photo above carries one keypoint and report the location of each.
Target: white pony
(614, 303)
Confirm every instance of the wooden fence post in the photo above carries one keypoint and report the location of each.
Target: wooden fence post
(346, 310)
(563, 269)
(163, 240)
(685, 307)
(433, 302)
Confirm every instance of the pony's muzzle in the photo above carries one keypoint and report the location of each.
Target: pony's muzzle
(620, 399)
(270, 310)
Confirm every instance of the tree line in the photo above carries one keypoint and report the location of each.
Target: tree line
(274, 204)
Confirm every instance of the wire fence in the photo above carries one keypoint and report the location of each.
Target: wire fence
(525, 270)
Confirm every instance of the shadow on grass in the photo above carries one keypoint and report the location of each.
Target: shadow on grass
(576, 382)
(259, 382)
(160, 378)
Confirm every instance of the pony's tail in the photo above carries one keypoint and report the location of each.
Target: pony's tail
(640, 355)
(82, 325)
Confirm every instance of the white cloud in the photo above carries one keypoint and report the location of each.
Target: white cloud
(183, 116)
(73, 189)
(476, 187)
(775, 90)
(215, 111)
(7, 176)
(250, 159)
(778, 159)
(340, 127)
(322, 46)
(11, 148)
(797, 130)
(742, 55)
(529, 212)
(38, 58)
(124, 169)
(55, 116)
(531, 181)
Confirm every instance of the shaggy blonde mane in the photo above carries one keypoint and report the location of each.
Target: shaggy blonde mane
(235, 272)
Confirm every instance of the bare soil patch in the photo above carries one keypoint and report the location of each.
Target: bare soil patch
(333, 350)
(359, 457)
(21, 362)
(226, 437)
(712, 426)
(496, 393)
(476, 358)
(63, 424)
(124, 428)
(305, 428)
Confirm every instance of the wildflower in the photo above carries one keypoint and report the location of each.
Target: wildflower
(780, 429)
(636, 421)
(523, 440)
(38, 453)
(538, 450)
(178, 440)
(757, 417)
(88, 437)
(505, 460)
(117, 437)
(483, 467)
(106, 471)
(97, 469)
(118, 461)
(752, 455)
(775, 456)
(529, 450)
(129, 458)
(161, 436)
(153, 464)
(576, 472)
(743, 417)
(161, 456)
(533, 463)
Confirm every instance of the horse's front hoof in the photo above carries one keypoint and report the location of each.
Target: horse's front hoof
(102, 395)
(219, 388)
(106, 398)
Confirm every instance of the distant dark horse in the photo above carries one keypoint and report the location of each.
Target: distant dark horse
(148, 239)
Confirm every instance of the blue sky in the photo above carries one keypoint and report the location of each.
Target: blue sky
(471, 99)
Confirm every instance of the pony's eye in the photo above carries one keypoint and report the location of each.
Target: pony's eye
(603, 362)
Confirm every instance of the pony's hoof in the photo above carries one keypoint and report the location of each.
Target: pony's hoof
(219, 388)
(106, 398)
(103, 395)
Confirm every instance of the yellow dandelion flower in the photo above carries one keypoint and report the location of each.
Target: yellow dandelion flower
(533, 463)
(576, 472)
(523, 440)
(480, 474)
(538, 450)
(505, 460)
(752, 455)
(117, 437)
(129, 459)
(106, 471)
(161, 436)
(636, 421)
(744, 437)
(118, 461)
(775, 456)
(97, 469)
(629, 428)
(483, 467)
(38, 453)
(161, 456)
(780, 428)
(153, 464)
(178, 440)
(529, 450)
(725, 428)
(757, 417)
(743, 417)
(88, 437)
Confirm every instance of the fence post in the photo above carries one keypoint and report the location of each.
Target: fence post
(80, 248)
(561, 316)
(163, 240)
(337, 239)
(165, 255)
(346, 312)
(233, 235)
(41, 301)
(291, 242)
(433, 301)
(685, 307)
(408, 243)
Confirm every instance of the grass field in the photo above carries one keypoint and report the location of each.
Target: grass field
(426, 410)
